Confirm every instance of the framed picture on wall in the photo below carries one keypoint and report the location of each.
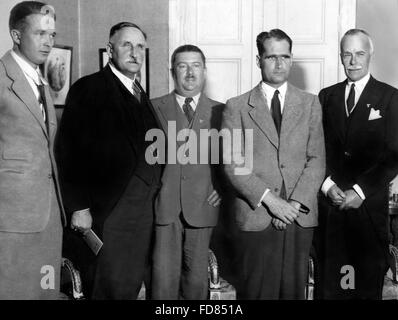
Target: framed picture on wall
(143, 75)
(57, 70)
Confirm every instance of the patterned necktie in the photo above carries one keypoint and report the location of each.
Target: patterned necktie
(189, 113)
(137, 91)
(276, 111)
(42, 101)
(351, 99)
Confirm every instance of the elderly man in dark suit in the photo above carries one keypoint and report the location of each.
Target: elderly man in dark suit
(30, 202)
(186, 209)
(361, 134)
(108, 184)
(275, 200)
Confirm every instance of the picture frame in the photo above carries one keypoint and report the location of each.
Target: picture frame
(143, 75)
(57, 70)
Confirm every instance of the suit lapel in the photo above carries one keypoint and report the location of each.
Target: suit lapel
(292, 111)
(150, 105)
(169, 112)
(261, 115)
(336, 111)
(51, 116)
(370, 96)
(202, 113)
(20, 86)
(118, 104)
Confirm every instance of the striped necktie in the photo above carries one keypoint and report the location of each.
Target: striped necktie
(42, 101)
(189, 113)
(137, 90)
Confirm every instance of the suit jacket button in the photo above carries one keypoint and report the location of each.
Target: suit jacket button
(282, 166)
(50, 176)
(276, 190)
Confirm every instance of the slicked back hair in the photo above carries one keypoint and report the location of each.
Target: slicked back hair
(186, 48)
(354, 32)
(272, 34)
(24, 9)
(122, 25)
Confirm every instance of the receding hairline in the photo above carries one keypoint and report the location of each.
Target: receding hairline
(127, 27)
(357, 32)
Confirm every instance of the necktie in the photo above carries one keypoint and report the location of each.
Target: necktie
(189, 113)
(137, 91)
(276, 111)
(42, 101)
(351, 99)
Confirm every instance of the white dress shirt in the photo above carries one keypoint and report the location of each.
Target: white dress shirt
(359, 86)
(269, 94)
(33, 76)
(193, 104)
(127, 82)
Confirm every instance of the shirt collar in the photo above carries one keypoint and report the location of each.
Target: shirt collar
(29, 71)
(269, 91)
(360, 84)
(181, 99)
(125, 80)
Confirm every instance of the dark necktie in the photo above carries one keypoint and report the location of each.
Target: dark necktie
(42, 101)
(189, 113)
(351, 99)
(137, 91)
(276, 111)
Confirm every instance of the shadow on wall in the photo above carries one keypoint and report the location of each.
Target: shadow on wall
(298, 77)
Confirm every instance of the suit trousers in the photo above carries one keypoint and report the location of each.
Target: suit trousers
(273, 264)
(351, 240)
(180, 262)
(23, 256)
(123, 263)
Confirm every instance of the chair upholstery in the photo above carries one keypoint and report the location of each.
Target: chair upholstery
(219, 289)
(71, 284)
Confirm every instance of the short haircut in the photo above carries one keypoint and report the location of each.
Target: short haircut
(122, 25)
(24, 9)
(272, 34)
(186, 48)
(353, 32)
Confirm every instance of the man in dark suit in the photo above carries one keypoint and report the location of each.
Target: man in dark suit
(30, 202)
(186, 208)
(361, 133)
(275, 200)
(108, 184)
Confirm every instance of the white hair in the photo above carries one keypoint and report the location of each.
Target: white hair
(353, 32)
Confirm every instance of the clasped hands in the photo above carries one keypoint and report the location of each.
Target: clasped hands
(345, 200)
(285, 212)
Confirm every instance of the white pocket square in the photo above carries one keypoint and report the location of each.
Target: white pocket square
(374, 114)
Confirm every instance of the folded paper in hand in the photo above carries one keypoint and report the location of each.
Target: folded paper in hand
(93, 241)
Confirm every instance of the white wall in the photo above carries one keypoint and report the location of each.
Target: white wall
(379, 18)
(5, 39)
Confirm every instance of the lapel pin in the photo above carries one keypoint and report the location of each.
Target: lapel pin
(368, 105)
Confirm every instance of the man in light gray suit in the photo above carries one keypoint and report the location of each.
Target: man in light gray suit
(186, 209)
(30, 202)
(275, 201)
